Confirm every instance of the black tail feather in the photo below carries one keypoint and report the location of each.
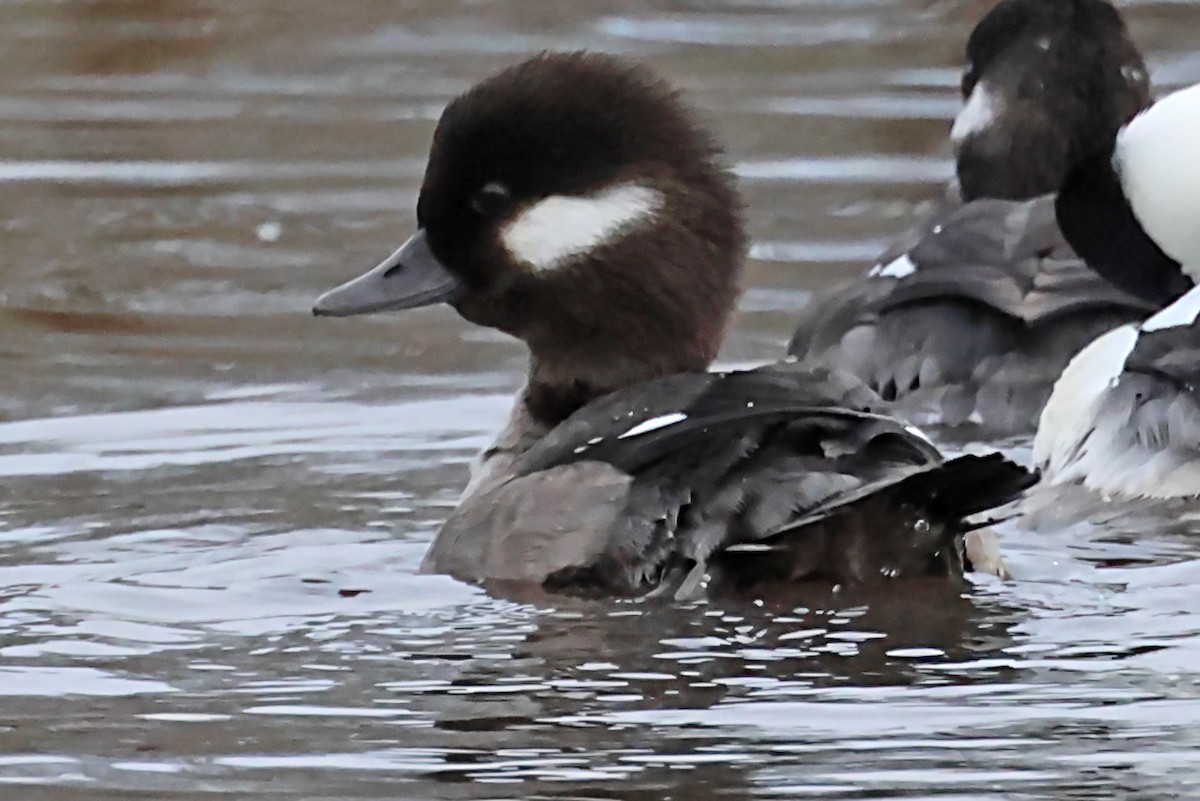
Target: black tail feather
(912, 527)
(968, 485)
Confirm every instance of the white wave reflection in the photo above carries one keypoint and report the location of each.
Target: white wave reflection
(195, 435)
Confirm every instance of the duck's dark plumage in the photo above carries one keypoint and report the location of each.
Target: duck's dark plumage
(1064, 74)
(987, 311)
(786, 466)
(626, 468)
(1170, 356)
(971, 317)
(1095, 216)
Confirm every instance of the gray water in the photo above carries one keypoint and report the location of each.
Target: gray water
(212, 506)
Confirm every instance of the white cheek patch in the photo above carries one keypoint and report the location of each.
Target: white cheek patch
(560, 227)
(1182, 312)
(980, 113)
(1158, 159)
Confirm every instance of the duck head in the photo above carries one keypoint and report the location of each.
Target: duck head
(572, 201)
(1045, 81)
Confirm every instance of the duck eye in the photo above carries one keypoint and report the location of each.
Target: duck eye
(491, 199)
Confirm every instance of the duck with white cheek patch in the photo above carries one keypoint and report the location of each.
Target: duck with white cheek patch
(1124, 418)
(968, 320)
(572, 201)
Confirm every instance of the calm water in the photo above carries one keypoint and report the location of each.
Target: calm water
(213, 505)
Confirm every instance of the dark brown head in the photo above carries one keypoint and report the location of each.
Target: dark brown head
(1047, 83)
(573, 201)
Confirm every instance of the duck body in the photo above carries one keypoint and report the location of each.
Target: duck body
(573, 202)
(709, 482)
(971, 325)
(1124, 417)
(969, 319)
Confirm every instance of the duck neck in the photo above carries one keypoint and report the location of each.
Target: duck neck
(549, 402)
(597, 349)
(557, 388)
(1097, 220)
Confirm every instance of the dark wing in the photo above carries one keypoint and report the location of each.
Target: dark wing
(748, 464)
(1008, 256)
(607, 428)
(1159, 393)
(974, 322)
(1171, 355)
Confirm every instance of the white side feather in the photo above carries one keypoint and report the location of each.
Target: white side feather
(1070, 414)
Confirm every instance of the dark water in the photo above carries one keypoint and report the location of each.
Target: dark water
(212, 506)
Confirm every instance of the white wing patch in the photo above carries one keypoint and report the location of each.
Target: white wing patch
(654, 423)
(980, 113)
(1158, 158)
(1182, 312)
(1133, 75)
(898, 268)
(556, 228)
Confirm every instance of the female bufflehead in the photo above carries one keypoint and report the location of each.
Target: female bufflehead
(1124, 418)
(573, 202)
(971, 318)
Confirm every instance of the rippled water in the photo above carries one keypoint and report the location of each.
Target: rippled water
(212, 506)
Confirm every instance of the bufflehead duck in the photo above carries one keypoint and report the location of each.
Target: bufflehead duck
(1124, 418)
(971, 317)
(573, 202)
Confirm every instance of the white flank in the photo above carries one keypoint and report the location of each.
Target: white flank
(1158, 159)
(1182, 312)
(980, 112)
(654, 423)
(1071, 411)
(559, 227)
(897, 268)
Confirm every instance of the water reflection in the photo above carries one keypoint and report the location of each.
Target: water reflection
(134, 36)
